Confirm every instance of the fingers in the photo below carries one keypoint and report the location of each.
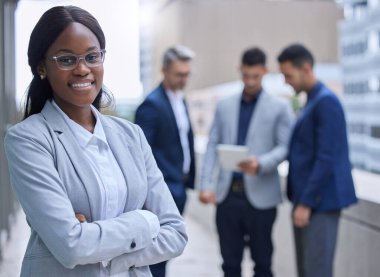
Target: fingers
(249, 167)
(248, 163)
(244, 163)
(299, 222)
(207, 197)
(80, 217)
(301, 216)
(203, 198)
(212, 199)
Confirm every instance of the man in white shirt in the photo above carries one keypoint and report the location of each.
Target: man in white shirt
(164, 118)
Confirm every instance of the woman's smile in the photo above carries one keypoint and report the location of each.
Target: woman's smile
(82, 85)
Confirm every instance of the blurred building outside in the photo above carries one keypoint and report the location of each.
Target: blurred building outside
(360, 57)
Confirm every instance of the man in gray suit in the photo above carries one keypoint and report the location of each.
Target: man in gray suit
(246, 200)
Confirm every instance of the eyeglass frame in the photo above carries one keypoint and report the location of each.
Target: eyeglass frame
(79, 58)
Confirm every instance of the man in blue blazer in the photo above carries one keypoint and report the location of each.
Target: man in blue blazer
(164, 118)
(319, 181)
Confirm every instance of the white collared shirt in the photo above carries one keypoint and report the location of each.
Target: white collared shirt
(111, 180)
(177, 102)
(113, 188)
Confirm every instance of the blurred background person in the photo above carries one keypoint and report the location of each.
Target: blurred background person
(319, 180)
(164, 118)
(246, 200)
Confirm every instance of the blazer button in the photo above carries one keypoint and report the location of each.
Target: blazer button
(133, 244)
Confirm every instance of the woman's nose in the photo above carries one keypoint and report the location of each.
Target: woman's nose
(82, 69)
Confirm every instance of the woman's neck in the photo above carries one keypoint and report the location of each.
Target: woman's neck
(81, 115)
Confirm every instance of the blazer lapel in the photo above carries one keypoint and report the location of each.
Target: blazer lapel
(77, 158)
(124, 158)
(256, 119)
(233, 119)
(304, 113)
(190, 134)
(187, 112)
(169, 111)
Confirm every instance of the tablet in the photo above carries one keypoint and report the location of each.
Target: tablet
(230, 155)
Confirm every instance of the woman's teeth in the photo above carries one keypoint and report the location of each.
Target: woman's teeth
(81, 85)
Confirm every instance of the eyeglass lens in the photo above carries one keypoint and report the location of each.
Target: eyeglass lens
(91, 59)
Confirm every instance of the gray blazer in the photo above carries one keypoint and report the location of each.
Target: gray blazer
(53, 181)
(267, 139)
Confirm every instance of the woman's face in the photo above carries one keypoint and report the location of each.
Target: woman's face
(78, 87)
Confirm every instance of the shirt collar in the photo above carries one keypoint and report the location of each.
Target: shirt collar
(253, 100)
(83, 136)
(175, 95)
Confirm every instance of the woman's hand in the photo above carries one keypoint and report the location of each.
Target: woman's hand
(80, 217)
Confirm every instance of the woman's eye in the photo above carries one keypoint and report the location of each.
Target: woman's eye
(92, 57)
(67, 60)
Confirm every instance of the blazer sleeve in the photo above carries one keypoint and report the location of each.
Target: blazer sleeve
(284, 122)
(329, 120)
(210, 156)
(147, 118)
(172, 237)
(48, 209)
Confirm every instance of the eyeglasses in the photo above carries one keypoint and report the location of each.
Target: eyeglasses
(71, 61)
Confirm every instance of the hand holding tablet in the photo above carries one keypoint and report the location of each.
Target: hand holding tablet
(230, 156)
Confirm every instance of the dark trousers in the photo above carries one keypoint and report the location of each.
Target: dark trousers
(159, 270)
(315, 245)
(240, 224)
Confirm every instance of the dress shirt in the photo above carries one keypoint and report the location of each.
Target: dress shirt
(113, 187)
(245, 116)
(95, 147)
(177, 102)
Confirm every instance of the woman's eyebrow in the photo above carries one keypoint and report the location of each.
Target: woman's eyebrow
(70, 51)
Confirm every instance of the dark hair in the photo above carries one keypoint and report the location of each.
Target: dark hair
(253, 56)
(297, 54)
(51, 24)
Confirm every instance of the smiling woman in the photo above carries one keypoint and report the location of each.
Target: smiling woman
(122, 29)
(74, 85)
(92, 193)
(69, 37)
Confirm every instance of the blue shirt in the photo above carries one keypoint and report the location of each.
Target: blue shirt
(245, 117)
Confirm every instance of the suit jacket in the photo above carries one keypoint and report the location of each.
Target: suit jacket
(53, 181)
(156, 118)
(267, 139)
(319, 167)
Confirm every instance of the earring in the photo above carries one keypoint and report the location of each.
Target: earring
(42, 76)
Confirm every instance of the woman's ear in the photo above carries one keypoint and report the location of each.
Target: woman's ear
(41, 70)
